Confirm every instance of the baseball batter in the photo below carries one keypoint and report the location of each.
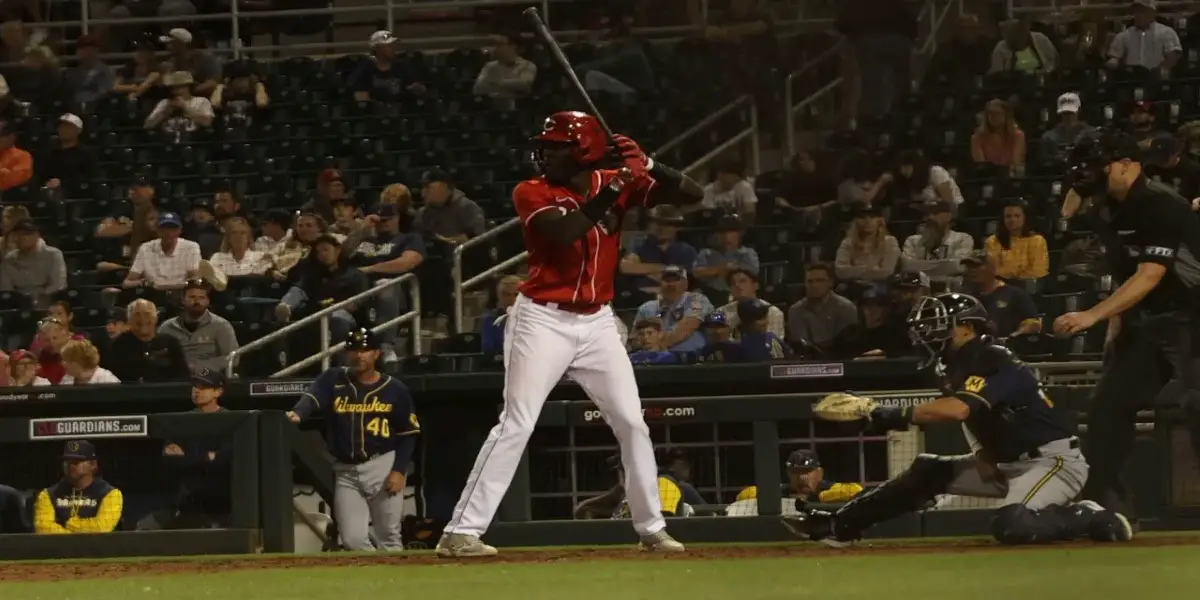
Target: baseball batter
(561, 322)
(371, 431)
(1025, 451)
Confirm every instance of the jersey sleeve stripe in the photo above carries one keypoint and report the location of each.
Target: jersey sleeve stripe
(534, 213)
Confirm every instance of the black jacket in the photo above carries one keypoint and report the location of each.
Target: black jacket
(322, 285)
(160, 359)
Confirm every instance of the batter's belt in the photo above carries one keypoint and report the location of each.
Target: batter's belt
(581, 309)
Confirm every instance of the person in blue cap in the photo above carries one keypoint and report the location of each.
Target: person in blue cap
(650, 350)
(81, 502)
(679, 311)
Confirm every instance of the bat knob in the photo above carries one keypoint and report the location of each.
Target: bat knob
(532, 11)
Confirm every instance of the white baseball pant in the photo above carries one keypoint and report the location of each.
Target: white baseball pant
(541, 344)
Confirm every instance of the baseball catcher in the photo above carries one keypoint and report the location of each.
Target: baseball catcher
(1024, 450)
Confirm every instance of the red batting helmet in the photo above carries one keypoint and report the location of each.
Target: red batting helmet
(579, 129)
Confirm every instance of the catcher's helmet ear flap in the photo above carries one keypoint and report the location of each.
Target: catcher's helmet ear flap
(932, 321)
(581, 130)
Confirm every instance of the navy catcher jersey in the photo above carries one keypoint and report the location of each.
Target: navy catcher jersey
(1010, 414)
(362, 420)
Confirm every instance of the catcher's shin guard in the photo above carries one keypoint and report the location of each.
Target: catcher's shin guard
(912, 490)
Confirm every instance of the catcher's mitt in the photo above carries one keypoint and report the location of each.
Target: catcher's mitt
(843, 407)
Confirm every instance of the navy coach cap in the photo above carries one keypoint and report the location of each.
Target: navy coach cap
(79, 450)
(802, 461)
(362, 339)
(209, 378)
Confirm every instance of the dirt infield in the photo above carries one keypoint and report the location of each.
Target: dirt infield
(56, 571)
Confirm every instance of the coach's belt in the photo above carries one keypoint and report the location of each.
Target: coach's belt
(358, 461)
(1055, 447)
(581, 309)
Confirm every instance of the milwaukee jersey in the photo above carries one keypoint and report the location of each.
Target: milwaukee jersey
(581, 273)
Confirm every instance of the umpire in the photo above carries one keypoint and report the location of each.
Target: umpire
(1152, 346)
(370, 428)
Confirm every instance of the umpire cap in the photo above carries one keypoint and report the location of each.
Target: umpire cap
(362, 339)
(802, 461)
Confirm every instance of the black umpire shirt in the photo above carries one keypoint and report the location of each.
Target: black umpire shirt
(1154, 224)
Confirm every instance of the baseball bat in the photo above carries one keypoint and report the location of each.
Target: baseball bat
(543, 32)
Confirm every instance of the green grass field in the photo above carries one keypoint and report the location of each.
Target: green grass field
(1097, 572)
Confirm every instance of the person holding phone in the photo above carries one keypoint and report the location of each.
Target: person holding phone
(389, 253)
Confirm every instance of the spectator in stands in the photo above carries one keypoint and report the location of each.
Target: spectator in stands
(904, 291)
(183, 112)
(401, 196)
(649, 348)
(330, 188)
(999, 140)
(1010, 309)
(383, 78)
(1179, 170)
(309, 226)
(918, 182)
(743, 285)
(166, 263)
(53, 335)
(389, 254)
(491, 325)
(12, 214)
(345, 217)
(23, 369)
(328, 279)
(241, 97)
(117, 323)
(875, 335)
(236, 258)
(1023, 51)
(16, 165)
(1141, 125)
(41, 81)
(121, 224)
(447, 214)
(120, 254)
(207, 339)
(34, 269)
(680, 312)
(660, 249)
(202, 227)
(140, 76)
(1015, 250)
(68, 164)
(804, 184)
(713, 265)
(758, 343)
(227, 205)
(10, 106)
(59, 310)
(81, 502)
(1088, 44)
(142, 353)
(868, 252)
(201, 67)
(91, 79)
(81, 361)
(822, 314)
(881, 35)
(276, 231)
(731, 192)
(965, 56)
(1068, 131)
(1147, 43)
(937, 248)
(720, 344)
(861, 184)
(507, 76)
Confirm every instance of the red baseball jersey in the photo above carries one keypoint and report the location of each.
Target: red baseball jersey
(583, 272)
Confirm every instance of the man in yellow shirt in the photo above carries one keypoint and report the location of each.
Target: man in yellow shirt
(806, 483)
(81, 502)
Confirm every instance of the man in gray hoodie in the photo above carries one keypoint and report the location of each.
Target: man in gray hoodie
(448, 215)
(33, 269)
(207, 339)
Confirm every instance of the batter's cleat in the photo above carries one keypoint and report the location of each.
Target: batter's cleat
(461, 545)
(817, 526)
(660, 542)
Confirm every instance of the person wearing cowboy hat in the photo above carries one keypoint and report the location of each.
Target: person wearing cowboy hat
(183, 111)
(383, 78)
(714, 265)
(659, 249)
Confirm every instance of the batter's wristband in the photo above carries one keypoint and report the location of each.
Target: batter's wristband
(664, 174)
(598, 206)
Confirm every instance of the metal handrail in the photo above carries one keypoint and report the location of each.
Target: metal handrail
(375, 290)
(413, 315)
(1054, 7)
(789, 116)
(750, 132)
(456, 267)
(703, 123)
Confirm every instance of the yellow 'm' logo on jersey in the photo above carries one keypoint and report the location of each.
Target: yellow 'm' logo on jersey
(343, 405)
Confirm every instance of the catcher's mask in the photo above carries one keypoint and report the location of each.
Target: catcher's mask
(932, 321)
(578, 130)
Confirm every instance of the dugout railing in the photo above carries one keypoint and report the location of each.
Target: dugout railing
(750, 416)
